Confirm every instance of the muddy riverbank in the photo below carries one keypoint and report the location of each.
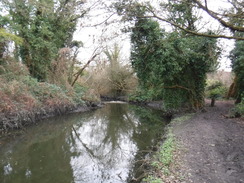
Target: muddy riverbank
(20, 119)
(206, 146)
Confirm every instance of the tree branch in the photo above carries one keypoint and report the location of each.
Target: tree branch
(177, 86)
(221, 21)
(190, 31)
(83, 68)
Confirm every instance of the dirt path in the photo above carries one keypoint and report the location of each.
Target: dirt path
(213, 146)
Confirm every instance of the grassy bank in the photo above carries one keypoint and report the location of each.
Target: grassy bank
(166, 160)
(24, 100)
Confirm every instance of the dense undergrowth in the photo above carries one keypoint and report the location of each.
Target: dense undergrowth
(238, 110)
(23, 99)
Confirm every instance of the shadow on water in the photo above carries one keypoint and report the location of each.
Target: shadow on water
(99, 146)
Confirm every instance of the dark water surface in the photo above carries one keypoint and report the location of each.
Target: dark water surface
(101, 146)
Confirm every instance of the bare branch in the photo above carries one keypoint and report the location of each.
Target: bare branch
(216, 17)
(190, 31)
(83, 68)
(104, 21)
(178, 86)
(206, 4)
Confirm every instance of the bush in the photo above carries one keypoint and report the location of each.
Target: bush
(238, 110)
(112, 82)
(15, 96)
(10, 69)
(79, 93)
(215, 90)
(20, 92)
(142, 95)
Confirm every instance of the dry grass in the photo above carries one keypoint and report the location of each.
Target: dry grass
(112, 83)
(24, 100)
(20, 92)
(224, 77)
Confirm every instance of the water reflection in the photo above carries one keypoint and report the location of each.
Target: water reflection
(99, 146)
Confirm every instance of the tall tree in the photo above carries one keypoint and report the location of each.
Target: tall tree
(172, 64)
(45, 26)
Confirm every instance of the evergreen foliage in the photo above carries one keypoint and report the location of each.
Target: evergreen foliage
(45, 27)
(172, 65)
(214, 90)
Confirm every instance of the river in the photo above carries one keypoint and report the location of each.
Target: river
(101, 146)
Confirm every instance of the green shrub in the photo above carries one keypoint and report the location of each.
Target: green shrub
(215, 89)
(79, 92)
(142, 95)
(238, 110)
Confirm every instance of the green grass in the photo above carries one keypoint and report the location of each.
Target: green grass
(165, 157)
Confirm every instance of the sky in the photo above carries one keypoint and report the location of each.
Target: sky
(106, 35)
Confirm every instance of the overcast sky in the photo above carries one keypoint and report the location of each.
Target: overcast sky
(106, 35)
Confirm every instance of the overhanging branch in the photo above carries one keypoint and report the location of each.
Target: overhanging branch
(220, 20)
(83, 68)
(179, 87)
(193, 32)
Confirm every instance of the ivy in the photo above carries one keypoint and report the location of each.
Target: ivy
(4, 35)
(45, 27)
(171, 63)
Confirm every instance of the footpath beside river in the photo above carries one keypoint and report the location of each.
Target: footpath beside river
(211, 146)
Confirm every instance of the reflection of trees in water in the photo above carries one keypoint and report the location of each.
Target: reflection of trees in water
(151, 125)
(105, 139)
(148, 133)
(35, 162)
(40, 154)
(97, 146)
(115, 133)
(119, 125)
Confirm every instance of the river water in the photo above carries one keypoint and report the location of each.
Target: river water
(102, 146)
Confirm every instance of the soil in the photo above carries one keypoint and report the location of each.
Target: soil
(213, 146)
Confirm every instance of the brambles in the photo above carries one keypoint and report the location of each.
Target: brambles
(23, 98)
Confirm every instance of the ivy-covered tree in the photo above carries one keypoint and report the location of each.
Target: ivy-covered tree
(45, 26)
(172, 64)
(147, 52)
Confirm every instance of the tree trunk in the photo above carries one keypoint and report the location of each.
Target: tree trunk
(82, 69)
(212, 102)
(233, 89)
